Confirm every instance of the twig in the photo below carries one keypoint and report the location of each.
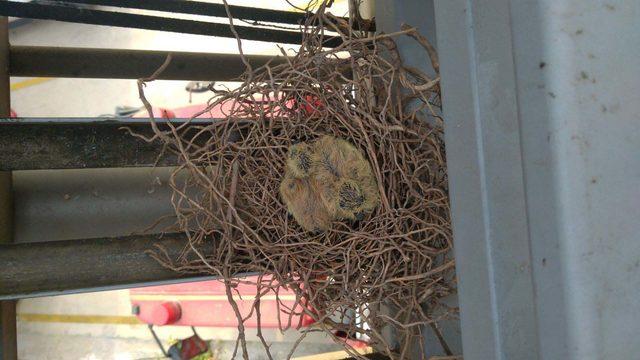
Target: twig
(431, 51)
(226, 192)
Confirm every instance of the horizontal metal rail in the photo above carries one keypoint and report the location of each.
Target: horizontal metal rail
(148, 22)
(55, 267)
(76, 144)
(203, 8)
(128, 64)
(253, 14)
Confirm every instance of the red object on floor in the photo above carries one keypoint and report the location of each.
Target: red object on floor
(205, 303)
(188, 348)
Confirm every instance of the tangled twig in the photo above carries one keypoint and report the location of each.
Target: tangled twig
(388, 271)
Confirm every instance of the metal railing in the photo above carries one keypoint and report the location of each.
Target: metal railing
(51, 267)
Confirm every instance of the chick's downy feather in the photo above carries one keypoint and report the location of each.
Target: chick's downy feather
(304, 204)
(299, 159)
(344, 179)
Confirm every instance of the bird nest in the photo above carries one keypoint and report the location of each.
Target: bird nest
(379, 275)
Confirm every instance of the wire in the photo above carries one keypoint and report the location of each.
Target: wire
(202, 8)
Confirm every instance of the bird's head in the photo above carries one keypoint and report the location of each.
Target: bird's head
(350, 196)
(356, 199)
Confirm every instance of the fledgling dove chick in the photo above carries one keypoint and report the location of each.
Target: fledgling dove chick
(328, 180)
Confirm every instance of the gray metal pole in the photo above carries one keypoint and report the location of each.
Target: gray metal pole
(129, 64)
(543, 141)
(78, 144)
(84, 265)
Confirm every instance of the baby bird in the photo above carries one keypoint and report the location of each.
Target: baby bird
(328, 180)
(344, 179)
(304, 204)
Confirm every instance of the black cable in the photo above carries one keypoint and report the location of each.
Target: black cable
(202, 8)
(148, 22)
(208, 9)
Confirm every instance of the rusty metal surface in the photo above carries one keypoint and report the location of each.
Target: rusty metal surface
(6, 207)
(100, 144)
(129, 64)
(52, 267)
(8, 333)
(9, 347)
(4, 67)
(6, 198)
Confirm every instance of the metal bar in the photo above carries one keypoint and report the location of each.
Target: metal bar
(128, 64)
(217, 10)
(6, 207)
(157, 339)
(85, 265)
(77, 145)
(136, 21)
(5, 101)
(542, 154)
(486, 180)
(9, 346)
(8, 333)
(203, 8)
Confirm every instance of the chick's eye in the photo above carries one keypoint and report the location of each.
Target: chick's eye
(291, 185)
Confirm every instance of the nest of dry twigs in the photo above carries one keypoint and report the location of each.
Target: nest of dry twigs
(393, 267)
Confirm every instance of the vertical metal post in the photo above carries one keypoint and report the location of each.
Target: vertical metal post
(541, 129)
(8, 348)
(4, 66)
(486, 181)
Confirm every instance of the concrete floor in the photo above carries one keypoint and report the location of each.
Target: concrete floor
(50, 205)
